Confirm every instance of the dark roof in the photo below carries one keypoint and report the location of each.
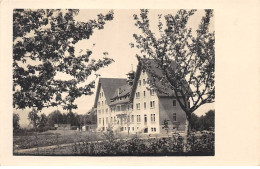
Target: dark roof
(109, 86)
(163, 87)
(124, 91)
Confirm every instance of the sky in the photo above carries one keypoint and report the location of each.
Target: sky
(115, 39)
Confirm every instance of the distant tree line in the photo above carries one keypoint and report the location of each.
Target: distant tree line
(42, 122)
(204, 122)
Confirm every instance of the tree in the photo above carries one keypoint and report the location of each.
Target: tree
(43, 121)
(166, 125)
(34, 118)
(207, 121)
(186, 61)
(16, 119)
(43, 46)
(55, 117)
(194, 122)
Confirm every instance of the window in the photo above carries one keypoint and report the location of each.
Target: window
(137, 128)
(102, 103)
(144, 105)
(138, 118)
(140, 82)
(133, 128)
(144, 82)
(132, 118)
(99, 111)
(114, 119)
(174, 117)
(128, 118)
(137, 106)
(152, 104)
(144, 93)
(151, 92)
(152, 117)
(174, 102)
(111, 119)
(117, 108)
(137, 95)
(152, 129)
(128, 128)
(106, 120)
(98, 103)
(99, 120)
(106, 110)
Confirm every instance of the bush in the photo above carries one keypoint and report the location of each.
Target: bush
(197, 145)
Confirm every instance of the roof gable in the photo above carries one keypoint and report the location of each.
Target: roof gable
(109, 86)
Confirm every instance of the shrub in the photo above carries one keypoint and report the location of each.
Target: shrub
(151, 146)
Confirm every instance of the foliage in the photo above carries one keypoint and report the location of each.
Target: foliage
(43, 122)
(39, 122)
(34, 118)
(197, 145)
(205, 122)
(44, 45)
(56, 117)
(16, 119)
(186, 61)
(166, 125)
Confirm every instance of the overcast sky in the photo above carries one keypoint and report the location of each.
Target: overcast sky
(115, 39)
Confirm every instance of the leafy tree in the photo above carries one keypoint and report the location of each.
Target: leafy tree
(186, 61)
(194, 122)
(43, 121)
(55, 118)
(204, 122)
(208, 120)
(34, 118)
(16, 119)
(43, 46)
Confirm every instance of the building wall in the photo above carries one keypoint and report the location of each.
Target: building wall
(166, 112)
(152, 126)
(103, 111)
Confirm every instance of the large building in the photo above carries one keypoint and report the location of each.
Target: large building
(131, 105)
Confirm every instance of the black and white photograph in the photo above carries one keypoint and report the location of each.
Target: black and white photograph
(119, 82)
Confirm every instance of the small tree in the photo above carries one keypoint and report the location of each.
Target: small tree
(34, 118)
(43, 121)
(16, 119)
(166, 126)
(186, 61)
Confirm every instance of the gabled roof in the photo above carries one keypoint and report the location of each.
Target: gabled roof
(151, 67)
(109, 86)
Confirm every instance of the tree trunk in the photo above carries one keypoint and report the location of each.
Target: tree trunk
(186, 133)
